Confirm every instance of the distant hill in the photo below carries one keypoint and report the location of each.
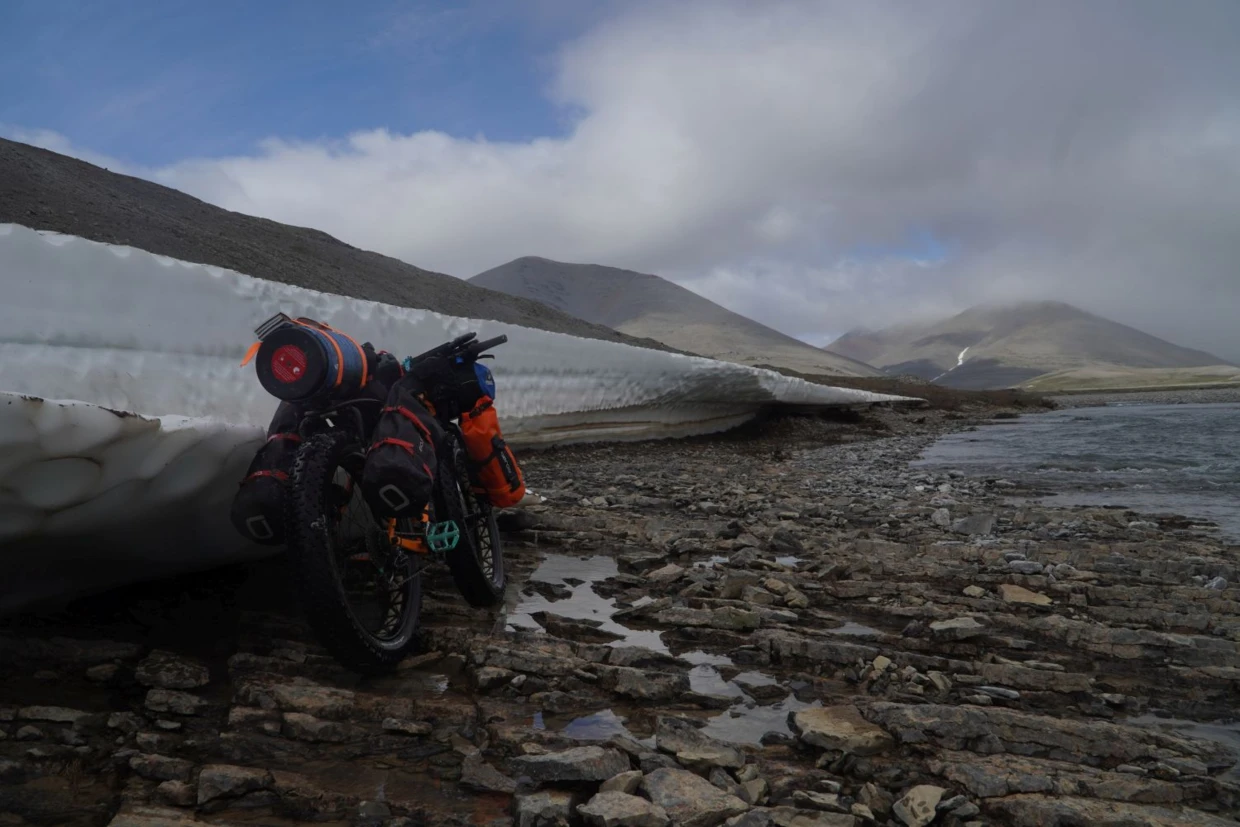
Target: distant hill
(1103, 379)
(1010, 345)
(48, 191)
(643, 305)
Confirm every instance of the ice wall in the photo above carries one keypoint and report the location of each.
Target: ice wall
(117, 329)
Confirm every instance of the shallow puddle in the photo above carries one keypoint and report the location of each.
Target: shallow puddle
(711, 563)
(747, 723)
(857, 629)
(578, 575)
(706, 680)
(699, 658)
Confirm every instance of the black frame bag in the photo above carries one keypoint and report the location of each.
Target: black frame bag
(258, 506)
(398, 478)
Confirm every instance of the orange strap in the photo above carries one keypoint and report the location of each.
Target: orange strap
(251, 353)
(280, 475)
(412, 417)
(482, 406)
(407, 446)
(304, 322)
(339, 353)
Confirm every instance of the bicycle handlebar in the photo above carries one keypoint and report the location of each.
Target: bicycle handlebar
(463, 345)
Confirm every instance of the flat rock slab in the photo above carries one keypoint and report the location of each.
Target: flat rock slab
(1046, 811)
(992, 730)
(1019, 594)
(617, 809)
(791, 817)
(694, 749)
(577, 764)
(161, 817)
(625, 782)
(840, 728)
(225, 780)
(689, 799)
(958, 628)
(167, 670)
(974, 524)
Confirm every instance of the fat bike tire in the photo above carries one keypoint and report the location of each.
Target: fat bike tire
(317, 554)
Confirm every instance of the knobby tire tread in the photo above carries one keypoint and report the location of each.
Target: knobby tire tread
(467, 572)
(326, 607)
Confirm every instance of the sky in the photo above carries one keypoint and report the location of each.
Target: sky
(815, 165)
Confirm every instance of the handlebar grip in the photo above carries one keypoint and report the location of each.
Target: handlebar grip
(446, 349)
(489, 343)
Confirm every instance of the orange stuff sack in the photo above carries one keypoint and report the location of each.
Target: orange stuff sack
(494, 461)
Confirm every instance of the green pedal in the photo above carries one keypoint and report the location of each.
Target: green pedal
(443, 537)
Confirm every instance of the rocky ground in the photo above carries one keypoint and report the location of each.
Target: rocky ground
(1195, 396)
(789, 626)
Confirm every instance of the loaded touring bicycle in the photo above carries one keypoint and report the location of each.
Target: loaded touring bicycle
(372, 470)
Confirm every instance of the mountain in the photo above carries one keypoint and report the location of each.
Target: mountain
(994, 346)
(640, 304)
(48, 191)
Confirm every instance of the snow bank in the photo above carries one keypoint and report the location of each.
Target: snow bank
(117, 329)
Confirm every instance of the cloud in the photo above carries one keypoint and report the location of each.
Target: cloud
(761, 153)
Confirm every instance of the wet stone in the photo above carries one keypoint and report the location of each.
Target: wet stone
(689, 799)
(161, 767)
(167, 670)
(625, 782)
(829, 802)
(959, 628)
(694, 749)
(138, 815)
(176, 793)
(840, 728)
(649, 686)
(125, 722)
(576, 764)
(796, 817)
(1019, 594)
(477, 774)
(974, 524)
(302, 727)
(489, 677)
(402, 727)
(617, 809)
(174, 701)
(549, 808)
(228, 781)
(724, 781)
(53, 714)
(667, 574)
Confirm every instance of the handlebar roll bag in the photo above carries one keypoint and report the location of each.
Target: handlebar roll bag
(257, 511)
(398, 477)
(304, 360)
(496, 465)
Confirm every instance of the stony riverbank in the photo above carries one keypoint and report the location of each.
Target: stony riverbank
(1186, 396)
(783, 628)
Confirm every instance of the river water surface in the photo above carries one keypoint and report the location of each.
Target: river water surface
(1182, 459)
